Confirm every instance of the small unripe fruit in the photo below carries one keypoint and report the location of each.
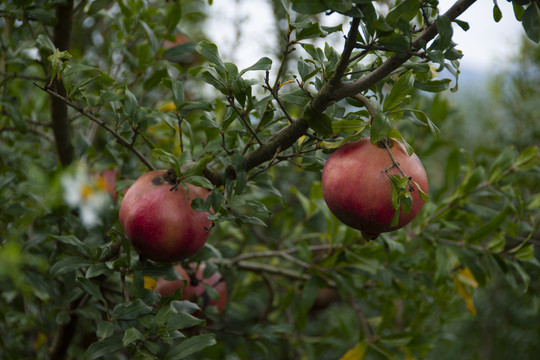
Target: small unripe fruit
(157, 218)
(357, 188)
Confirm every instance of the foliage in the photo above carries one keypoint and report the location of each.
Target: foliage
(139, 87)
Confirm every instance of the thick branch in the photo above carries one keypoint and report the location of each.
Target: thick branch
(285, 138)
(396, 60)
(59, 114)
(335, 90)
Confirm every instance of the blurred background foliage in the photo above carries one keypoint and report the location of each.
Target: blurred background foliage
(460, 282)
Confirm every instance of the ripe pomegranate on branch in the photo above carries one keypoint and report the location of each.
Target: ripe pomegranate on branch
(157, 217)
(374, 188)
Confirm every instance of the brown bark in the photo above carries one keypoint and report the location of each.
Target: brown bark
(59, 110)
(335, 90)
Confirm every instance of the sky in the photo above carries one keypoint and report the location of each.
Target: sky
(486, 45)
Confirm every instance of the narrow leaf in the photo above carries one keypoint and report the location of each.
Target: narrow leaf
(90, 287)
(191, 346)
(399, 92)
(531, 22)
(380, 127)
(210, 52)
(262, 64)
(490, 227)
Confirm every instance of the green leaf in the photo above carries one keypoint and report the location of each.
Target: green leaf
(72, 241)
(296, 97)
(396, 42)
(525, 253)
(180, 53)
(45, 42)
(400, 90)
(210, 52)
(200, 181)
(398, 340)
(405, 10)
(462, 24)
(104, 329)
(177, 87)
(166, 157)
(101, 348)
(174, 14)
(251, 220)
(444, 27)
(309, 293)
(182, 320)
(308, 7)
(497, 14)
(198, 167)
(527, 159)
(518, 11)
(151, 35)
(90, 287)
(68, 264)
(433, 85)
(199, 204)
(95, 270)
(130, 103)
(422, 116)
(191, 346)
(490, 227)
(131, 311)
(473, 180)
(97, 5)
(395, 134)
(380, 127)
(531, 22)
(262, 64)
(321, 122)
(131, 335)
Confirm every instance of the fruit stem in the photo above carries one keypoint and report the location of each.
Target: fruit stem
(387, 143)
(171, 178)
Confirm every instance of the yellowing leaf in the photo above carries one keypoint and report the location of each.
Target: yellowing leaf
(40, 341)
(149, 283)
(356, 353)
(166, 107)
(409, 356)
(464, 283)
(466, 277)
(286, 82)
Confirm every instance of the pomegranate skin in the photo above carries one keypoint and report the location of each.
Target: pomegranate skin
(193, 292)
(358, 191)
(160, 222)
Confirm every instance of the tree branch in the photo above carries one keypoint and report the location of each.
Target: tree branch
(59, 114)
(396, 60)
(334, 90)
(119, 138)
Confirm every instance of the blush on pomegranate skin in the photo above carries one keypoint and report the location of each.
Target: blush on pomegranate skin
(159, 221)
(357, 189)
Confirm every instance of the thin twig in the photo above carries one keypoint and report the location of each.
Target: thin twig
(367, 104)
(242, 117)
(366, 327)
(121, 140)
(180, 134)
